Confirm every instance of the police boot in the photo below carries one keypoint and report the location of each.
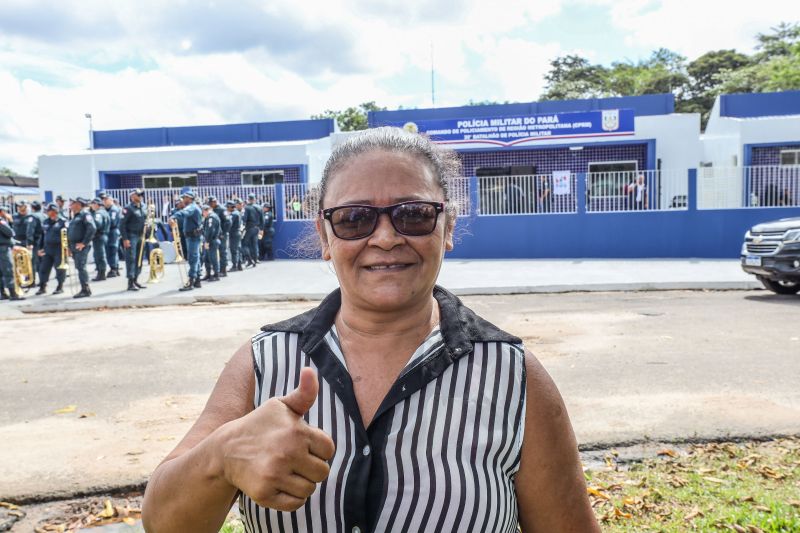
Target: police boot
(59, 289)
(197, 283)
(42, 289)
(215, 277)
(14, 297)
(139, 285)
(112, 273)
(131, 285)
(101, 276)
(224, 271)
(189, 285)
(3, 295)
(207, 277)
(84, 292)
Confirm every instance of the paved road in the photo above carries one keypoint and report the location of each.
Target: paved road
(662, 365)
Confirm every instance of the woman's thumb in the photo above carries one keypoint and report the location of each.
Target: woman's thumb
(303, 397)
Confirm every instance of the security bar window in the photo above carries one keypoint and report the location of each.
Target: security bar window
(264, 177)
(166, 181)
(790, 157)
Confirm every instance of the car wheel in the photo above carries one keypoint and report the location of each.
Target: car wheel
(781, 287)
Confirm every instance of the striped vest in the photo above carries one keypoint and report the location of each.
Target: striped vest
(443, 449)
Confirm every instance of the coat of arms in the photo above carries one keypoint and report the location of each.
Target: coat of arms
(611, 120)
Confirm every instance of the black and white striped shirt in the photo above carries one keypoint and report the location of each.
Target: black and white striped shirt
(443, 449)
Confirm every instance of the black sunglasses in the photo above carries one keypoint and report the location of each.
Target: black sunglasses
(352, 222)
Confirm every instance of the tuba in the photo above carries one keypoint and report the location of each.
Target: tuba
(156, 259)
(23, 268)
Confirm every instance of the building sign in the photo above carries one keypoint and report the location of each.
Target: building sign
(507, 131)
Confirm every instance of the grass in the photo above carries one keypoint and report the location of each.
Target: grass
(748, 487)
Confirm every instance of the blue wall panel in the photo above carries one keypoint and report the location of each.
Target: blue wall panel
(747, 105)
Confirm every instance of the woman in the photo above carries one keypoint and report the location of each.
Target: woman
(391, 406)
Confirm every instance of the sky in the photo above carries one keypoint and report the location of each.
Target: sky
(150, 63)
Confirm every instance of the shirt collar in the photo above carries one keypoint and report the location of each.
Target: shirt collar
(460, 326)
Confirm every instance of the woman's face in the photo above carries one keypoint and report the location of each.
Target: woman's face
(383, 178)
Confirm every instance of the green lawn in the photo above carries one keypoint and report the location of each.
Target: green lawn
(748, 487)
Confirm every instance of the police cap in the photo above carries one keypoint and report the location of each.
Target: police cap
(81, 200)
(138, 192)
(267, 204)
(212, 198)
(21, 203)
(35, 204)
(187, 194)
(4, 207)
(206, 207)
(230, 203)
(251, 196)
(103, 195)
(59, 198)
(96, 201)
(52, 207)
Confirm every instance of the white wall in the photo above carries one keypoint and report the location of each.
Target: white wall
(75, 174)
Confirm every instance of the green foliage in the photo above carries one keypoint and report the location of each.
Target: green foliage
(352, 118)
(5, 171)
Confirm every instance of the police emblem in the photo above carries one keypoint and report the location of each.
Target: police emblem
(411, 127)
(611, 120)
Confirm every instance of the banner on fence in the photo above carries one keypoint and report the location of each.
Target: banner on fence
(507, 131)
(561, 180)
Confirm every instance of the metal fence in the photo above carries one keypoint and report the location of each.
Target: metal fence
(750, 186)
(644, 190)
(526, 195)
(166, 198)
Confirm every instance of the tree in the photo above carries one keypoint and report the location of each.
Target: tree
(352, 118)
(5, 171)
(704, 81)
(572, 77)
(35, 171)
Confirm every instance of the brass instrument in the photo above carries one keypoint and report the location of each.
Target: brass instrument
(65, 261)
(148, 222)
(179, 257)
(156, 265)
(23, 268)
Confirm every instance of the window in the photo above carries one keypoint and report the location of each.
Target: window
(790, 157)
(166, 181)
(262, 177)
(609, 178)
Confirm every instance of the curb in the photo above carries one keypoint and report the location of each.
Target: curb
(159, 301)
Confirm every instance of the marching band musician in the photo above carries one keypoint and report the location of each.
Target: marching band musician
(131, 229)
(24, 226)
(112, 247)
(268, 230)
(49, 249)
(211, 233)
(235, 234)
(6, 265)
(80, 232)
(103, 224)
(38, 225)
(63, 210)
(190, 220)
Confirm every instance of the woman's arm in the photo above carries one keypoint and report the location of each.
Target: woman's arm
(551, 489)
(188, 490)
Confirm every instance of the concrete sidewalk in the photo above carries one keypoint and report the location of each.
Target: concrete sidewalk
(312, 279)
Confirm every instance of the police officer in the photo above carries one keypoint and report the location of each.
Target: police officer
(252, 225)
(6, 265)
(225, 227)
(80, 232)
(50, 249)
(267, 231)
(131, 228)
(191, 220)
(234, 235)
(38, 225)
(63, 210)
(24, 226)
(103, 223)
(112, 247)
(211, 233)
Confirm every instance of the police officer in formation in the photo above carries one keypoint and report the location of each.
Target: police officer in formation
(6, 264)
(225, 227)
(112, 247)
(24, 227)
(131, 229)
(80, 232)
(267, 231)
(253, 222)
(63, 210)
(49, 250)
(102, 223)
(38, 226)
(190, 219)
(211, 232)
(235, 233)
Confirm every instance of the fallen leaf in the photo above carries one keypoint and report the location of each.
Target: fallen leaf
(738, 528)
(130, 521)
(595, 491)
(762, 508)
(794, 503)
(714, 480)
(695, 512)
(620, 514)
(65, 410)
(668, 452)
(754, 529)
(108, 510)
(9, 505)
